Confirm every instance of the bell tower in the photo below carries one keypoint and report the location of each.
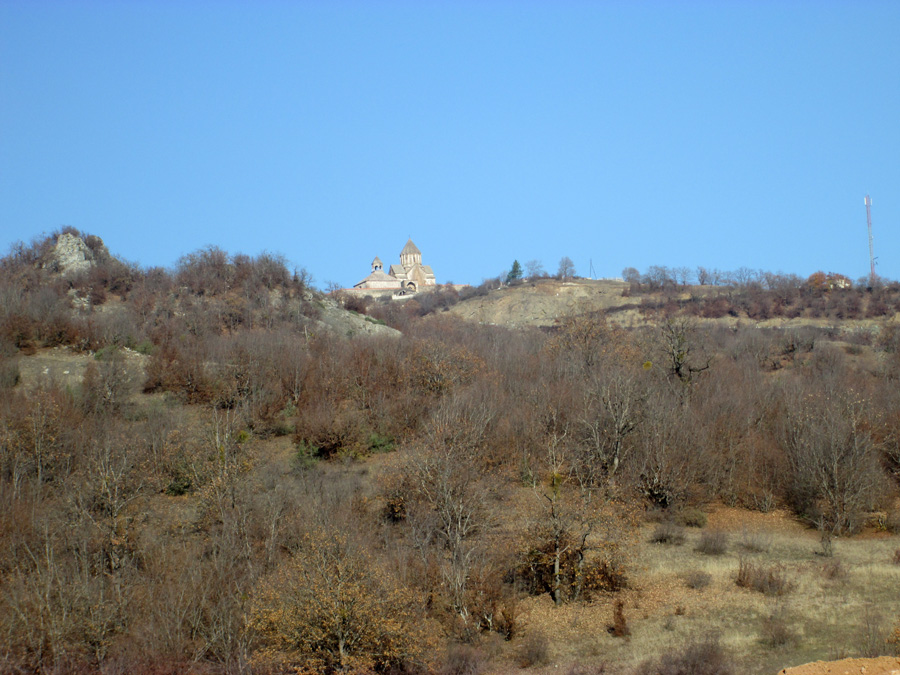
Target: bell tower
(410, 255)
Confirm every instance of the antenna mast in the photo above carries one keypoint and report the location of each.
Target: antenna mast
(871, 244)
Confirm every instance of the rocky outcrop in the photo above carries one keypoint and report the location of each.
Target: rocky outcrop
(341, 322)
(72, 255)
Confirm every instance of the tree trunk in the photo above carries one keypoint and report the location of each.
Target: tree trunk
(557, 586)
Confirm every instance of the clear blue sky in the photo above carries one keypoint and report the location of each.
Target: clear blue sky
(722, 134)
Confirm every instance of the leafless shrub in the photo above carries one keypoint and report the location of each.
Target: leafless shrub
(691, 517)
(668, 533)
(764, 501)
(205, 272)
(771, 580)
(534, 650)
(657, 515)
(464, 660)
(835, 570)
(776, 630)
(873, 635)
(701, 657)
(697, 580)
(713, 542)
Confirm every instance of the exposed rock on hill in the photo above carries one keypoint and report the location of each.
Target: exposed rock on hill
(343, 322)
(72, 255)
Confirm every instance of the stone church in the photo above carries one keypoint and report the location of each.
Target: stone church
(407, 277)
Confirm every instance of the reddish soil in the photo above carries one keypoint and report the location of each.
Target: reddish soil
(885, 665)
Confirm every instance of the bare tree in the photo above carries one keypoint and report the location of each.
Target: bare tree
(612, 410)
(441, 496)
(566, 268)
(683, 275)
(205, 272)
(577, 539)
(446, 482)
(666, 464)
(703, 276)
(658, 276)
(744, 276)
(836, 472)
(106, 383)
(534, 269)
(631, 275)
(682, 352)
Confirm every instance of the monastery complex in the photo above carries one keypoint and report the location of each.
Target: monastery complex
(407, 277)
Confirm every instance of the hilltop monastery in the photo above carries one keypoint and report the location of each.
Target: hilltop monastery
(407, 277)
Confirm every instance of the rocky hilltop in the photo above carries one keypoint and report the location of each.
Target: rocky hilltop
(72, 255)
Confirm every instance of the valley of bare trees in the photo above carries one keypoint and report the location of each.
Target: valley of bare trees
(228, 485)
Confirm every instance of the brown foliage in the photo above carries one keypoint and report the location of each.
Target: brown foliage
(437, 368)
(138, 538)
(329, 607)
(619, 626)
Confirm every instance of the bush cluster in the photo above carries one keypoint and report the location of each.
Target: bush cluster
(766, 579)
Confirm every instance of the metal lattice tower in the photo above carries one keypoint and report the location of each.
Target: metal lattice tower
(871, 241)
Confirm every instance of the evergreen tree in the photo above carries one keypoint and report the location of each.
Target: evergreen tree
(515, 273)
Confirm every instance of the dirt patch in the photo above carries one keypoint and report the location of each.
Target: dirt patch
(64, 366)
(733, 519)
(885, 665)
(60, 365)
(541, 303)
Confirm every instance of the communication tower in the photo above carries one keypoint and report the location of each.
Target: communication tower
(871, 244)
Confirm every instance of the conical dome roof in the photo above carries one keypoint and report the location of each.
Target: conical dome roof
(410, 249)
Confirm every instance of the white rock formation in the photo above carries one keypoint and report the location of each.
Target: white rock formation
(71, 255)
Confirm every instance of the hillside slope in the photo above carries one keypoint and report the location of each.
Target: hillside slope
(541, 302)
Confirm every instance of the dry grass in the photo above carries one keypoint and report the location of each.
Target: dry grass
(755, 540)
(819, 619)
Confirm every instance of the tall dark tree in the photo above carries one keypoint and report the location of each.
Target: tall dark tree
(515, 272)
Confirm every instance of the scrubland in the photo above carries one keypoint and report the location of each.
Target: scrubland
(198, 475)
